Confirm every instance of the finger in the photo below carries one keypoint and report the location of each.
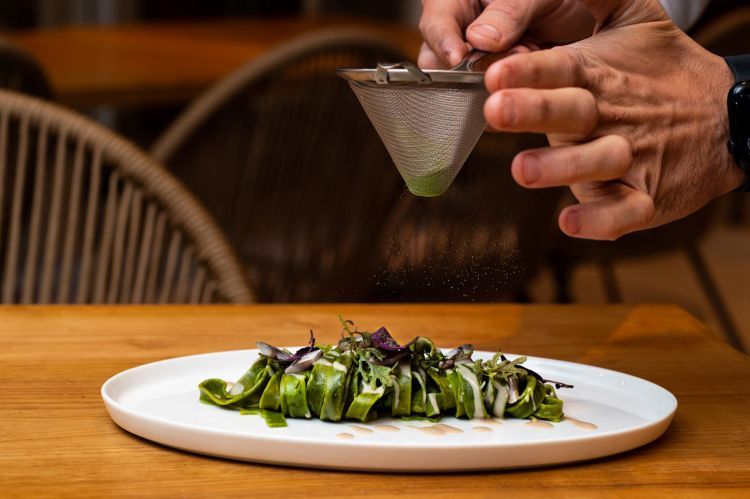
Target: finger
(625, 210)
(554, 68)
(606, 158)
(441, 25)
(562, 110)
(490, 58)
(502, 23)
(428, 59)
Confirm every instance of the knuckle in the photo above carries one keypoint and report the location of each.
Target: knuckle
(508, 104)
(646, 211)
(543, 106)
(534, 72)
(576, 165)
(576, 65)
(612, 231)
(512, 13)
(621, 152)
(589, 112)
(506, 74)
(425, 24)
(640, 217)
(432, 30)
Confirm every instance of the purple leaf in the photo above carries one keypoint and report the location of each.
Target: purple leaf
(383, 340)
(286, 357)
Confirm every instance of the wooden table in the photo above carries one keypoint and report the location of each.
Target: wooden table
(57, 439)
(168, 62)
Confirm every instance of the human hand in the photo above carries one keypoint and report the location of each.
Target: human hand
(636, 116)
(496, 26)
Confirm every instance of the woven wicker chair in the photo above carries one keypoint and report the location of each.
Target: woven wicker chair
(88, 218)
(284, 157)
(20, 72)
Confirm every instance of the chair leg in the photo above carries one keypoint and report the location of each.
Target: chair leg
(609, 281)
(736, 215)
(714, 297)
(562, 269)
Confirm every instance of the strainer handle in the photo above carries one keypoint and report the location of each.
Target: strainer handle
(470, 60)
(381, 74)
(468, 63)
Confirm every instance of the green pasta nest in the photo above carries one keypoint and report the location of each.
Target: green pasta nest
(369, 375)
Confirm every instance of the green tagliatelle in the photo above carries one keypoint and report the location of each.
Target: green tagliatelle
(369, 375)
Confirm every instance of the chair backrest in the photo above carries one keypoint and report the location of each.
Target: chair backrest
(726, 34)
(284, 157)
(86, 217)
(21, 73)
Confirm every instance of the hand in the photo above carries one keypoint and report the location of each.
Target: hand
(636, 116)
(496, 26)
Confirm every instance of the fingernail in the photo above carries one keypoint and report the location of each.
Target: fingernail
(573, 222)
(486, 31)
(508, 110)
(530, 169)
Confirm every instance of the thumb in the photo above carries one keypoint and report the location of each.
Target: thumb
(610, 13)
(503, 22)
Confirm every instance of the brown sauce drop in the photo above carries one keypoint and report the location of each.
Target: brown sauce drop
(449, 429)
(439, 429)
(536, 423)
(360, 429)
(482, 429)
(386, 427)
(584, 425)
(345, 436)
(492, 421)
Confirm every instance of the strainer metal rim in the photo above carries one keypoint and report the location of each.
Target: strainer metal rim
(402, 75)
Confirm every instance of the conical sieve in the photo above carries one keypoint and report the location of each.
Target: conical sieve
(429, 120)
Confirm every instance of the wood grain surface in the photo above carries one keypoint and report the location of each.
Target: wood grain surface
(161, 63)
(56, 438)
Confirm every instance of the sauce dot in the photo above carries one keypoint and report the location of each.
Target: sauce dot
(386, 427)
(584, 425)
(360, 429)
(536, 423)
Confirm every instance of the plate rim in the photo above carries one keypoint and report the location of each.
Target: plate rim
(112, 404)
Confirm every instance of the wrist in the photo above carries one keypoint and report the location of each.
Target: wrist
(739, 115)
(730, 172)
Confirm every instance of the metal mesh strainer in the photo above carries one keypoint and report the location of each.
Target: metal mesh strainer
(428, 120)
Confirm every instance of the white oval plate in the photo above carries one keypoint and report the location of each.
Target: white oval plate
(159, 401)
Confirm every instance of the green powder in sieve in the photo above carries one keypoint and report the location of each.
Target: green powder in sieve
(431, 185)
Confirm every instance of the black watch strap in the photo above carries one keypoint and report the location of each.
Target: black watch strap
(740, 66)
